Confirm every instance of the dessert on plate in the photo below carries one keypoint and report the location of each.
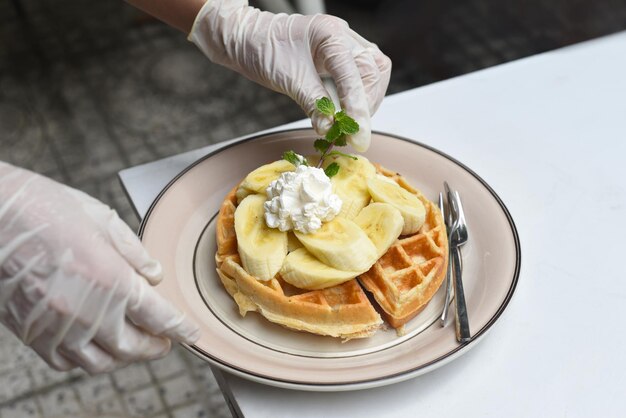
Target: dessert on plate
(305, 250)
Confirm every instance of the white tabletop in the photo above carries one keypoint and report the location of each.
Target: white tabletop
(548, 133)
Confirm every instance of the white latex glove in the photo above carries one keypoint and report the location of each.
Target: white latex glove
(75, 280)
(289, 54)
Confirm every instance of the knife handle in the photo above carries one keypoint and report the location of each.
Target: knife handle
(443, 320)
(462, 321)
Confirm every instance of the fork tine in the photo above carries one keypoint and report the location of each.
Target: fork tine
(451, 215)
(446, 187)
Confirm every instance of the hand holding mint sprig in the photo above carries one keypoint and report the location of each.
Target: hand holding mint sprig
(335, 137)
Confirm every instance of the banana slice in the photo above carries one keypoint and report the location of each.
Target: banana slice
(262, 249)
(292, 242)
(304, 271)
(350, 183)
(341, 244)
(258, 180)
(408, 204)
(382, 223)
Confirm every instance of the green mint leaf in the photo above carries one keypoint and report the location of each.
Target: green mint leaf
(333, 133)
(341, 141)
(321, 145)
(343, 154)
(294, 158)
(347, 125)
(331, 170)
(341, 115)
(326, 106)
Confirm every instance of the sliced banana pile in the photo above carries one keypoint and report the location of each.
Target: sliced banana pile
(375, 212)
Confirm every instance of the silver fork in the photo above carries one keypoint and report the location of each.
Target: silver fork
(458, 237)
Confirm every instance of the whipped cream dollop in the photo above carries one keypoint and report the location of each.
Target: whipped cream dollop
(301, 200)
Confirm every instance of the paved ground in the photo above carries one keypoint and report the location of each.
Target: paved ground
(87, 89)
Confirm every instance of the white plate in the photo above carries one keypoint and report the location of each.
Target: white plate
(179, 230)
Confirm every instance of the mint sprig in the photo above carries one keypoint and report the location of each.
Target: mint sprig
(336, 136)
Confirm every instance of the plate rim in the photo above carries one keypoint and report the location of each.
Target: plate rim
(366, 383)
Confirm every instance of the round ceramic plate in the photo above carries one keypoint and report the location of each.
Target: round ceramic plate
(179, 230)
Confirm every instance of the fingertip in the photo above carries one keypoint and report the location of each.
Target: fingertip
(361, 140)
(306, 96)
(62, 366)
(189, 332)
(383, 62)
(150, 311)
(195, 337)
(165, 345)
(184, 331)
(321, 123)
(152, 271)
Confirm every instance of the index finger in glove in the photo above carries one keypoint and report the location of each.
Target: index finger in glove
(339, 61)
(150, 311)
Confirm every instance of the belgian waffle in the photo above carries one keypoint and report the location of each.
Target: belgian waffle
(402, 281)
(408, 275)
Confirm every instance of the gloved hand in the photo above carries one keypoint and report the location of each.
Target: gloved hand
(289, 54)
(75, 280)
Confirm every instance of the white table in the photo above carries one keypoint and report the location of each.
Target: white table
(548, 133)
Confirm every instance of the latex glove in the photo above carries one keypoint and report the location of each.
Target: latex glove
(289, 54)
(74, 279)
